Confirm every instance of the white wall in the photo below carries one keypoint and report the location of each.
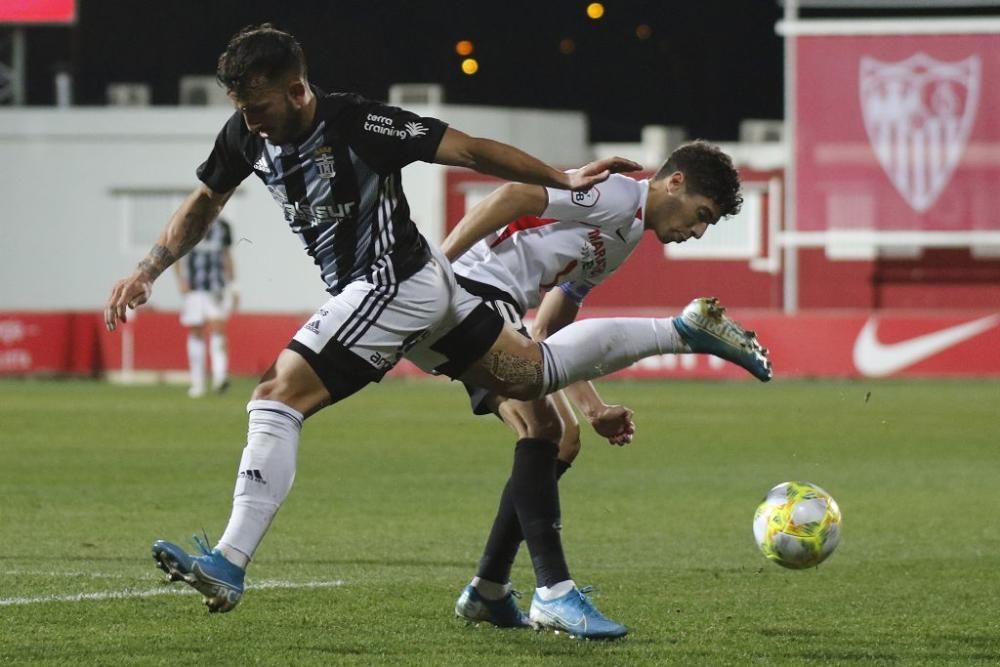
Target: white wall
(68, 178)
(64, 179)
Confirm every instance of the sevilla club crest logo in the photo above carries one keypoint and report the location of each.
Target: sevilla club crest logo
(918, 114)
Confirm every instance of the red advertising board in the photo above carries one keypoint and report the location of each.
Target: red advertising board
(898, 132)
(852, 344)
(47, 343)
(37, 11)
(848, 344)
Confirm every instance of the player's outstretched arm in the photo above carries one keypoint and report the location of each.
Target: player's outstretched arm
(185, 229)
(502, 206)
(613, 422)
(497, 159)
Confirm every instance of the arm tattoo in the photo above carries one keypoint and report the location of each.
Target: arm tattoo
(191, 230)
(158, 259)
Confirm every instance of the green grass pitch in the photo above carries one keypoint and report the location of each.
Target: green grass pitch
(395, 492)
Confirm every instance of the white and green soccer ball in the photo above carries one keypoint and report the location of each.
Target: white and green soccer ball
(797, 525)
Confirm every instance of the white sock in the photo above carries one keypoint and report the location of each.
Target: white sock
(196, 361)
(490, 590)
(552, 592)
(266, 473)
(220, 359)
(592, 348)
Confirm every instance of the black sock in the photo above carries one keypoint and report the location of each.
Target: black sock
(535, 495)
(503, 542)
(506, 536)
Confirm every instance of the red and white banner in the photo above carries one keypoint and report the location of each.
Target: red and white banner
(849, 344)
(47, 343)
(898, 133)
(852, 345)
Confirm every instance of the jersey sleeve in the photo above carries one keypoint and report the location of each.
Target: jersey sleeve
(607, 205)
(389, 138)
(226, 166)
(577, 290)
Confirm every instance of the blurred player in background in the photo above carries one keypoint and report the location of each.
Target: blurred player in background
(207, 283)
(550, 248)
(332, 163)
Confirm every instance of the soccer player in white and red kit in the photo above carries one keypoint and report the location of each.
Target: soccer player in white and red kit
(545, 248)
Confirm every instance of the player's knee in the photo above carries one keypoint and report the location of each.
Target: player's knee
(546, 430)
(546, 427)
(272, 389)
(290, 381)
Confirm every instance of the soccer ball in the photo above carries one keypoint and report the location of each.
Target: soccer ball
(797, 525)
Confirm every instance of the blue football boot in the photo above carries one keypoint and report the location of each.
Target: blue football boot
(502, 613)
(209, 573)
(704, 326)
(575, 615)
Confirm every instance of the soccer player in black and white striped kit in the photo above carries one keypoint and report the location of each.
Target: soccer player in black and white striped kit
(206, 277)
(332, 163)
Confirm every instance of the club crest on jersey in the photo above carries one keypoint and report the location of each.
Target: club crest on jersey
(918, 113)
(587, 198)
(325, 164)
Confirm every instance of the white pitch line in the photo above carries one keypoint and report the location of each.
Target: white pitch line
(80, 575)
(129, 593)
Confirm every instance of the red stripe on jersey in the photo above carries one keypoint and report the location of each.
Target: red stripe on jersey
(638, 213)
(519, 225)
(555, 281)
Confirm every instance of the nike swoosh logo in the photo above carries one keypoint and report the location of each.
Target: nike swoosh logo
(875, 359)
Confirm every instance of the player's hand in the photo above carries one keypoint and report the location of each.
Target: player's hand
(129, 292)
(598, 171)
(614, 422)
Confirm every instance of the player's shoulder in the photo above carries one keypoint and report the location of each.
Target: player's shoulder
(343, 104)
(621, 183)
(618, 192)
(236, 133)
(341, 99)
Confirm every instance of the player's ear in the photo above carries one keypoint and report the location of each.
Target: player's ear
(675, 180)
(297, 91)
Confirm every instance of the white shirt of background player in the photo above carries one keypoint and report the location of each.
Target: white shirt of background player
(523, 239)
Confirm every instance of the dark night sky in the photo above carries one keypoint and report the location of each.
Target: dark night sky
(705, 66)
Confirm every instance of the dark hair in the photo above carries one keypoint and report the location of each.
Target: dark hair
(259, 54)
(707, 171)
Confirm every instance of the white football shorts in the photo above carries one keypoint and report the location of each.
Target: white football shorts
(200, 307)
(360, 334)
